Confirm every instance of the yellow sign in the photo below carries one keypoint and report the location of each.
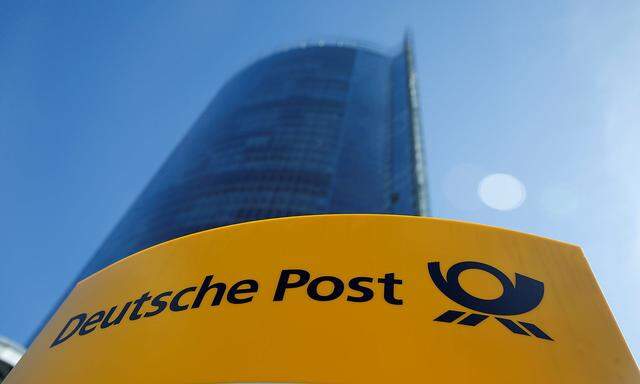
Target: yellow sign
(337, 299)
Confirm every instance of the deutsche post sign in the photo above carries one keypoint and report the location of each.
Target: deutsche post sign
(337, 299)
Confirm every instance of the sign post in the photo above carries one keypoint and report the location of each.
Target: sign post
(337, 299)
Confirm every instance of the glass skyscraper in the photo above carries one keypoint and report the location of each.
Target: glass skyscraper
(311, 130)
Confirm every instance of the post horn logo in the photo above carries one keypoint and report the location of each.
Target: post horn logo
(516, 299)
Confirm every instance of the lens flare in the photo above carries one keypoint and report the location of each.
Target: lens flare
(502, 191)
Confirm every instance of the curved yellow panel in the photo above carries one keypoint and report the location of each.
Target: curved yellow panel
(337, 299)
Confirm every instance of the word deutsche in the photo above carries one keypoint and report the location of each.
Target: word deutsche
(241, 292)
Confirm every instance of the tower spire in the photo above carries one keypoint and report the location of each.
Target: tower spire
(416, 127)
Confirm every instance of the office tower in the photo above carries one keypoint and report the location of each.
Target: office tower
(311, 130)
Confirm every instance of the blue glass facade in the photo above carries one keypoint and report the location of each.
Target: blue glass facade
(325, 129)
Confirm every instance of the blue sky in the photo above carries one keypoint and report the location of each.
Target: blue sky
(94, 95)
